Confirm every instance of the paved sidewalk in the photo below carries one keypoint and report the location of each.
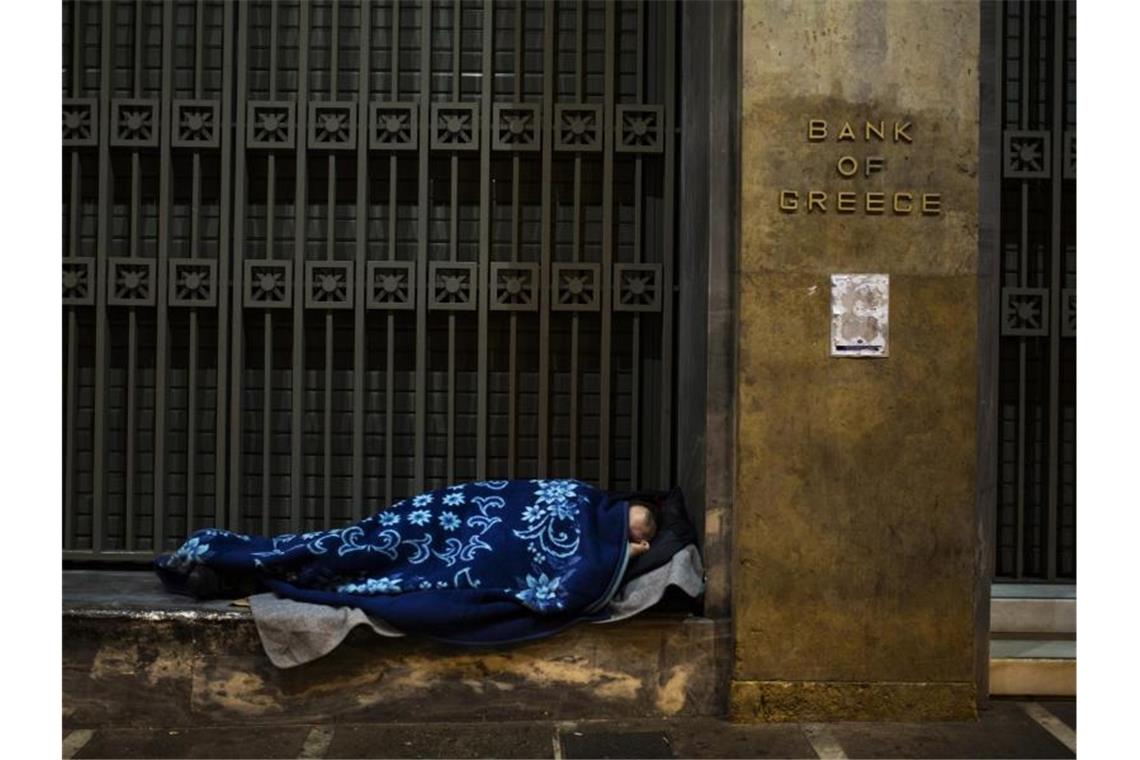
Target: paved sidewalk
(1009, 729)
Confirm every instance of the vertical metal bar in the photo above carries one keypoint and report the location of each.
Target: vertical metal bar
(192, 384)
(132, 348)
(199, 39)
(453, 239)
(574, 317)
(224, 272)
(267, 350)
(296, 477)
(99, 514)
(456, 13)
(1023, 278)
(359, 355)
(607, 248)
(267, 423)
(72, 318)
(132, 315)
(69, 471)
(1055, 285)
(664, 479)
(483, 288)
(191, 414)
(421, 243)
(162, 328)
(579, 35)
(330, 254)
(390, 345)
(237, 343)
(635, 370)
(512, 389)
(547, 289)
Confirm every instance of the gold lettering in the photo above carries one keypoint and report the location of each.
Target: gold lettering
(846, 133)
(932, 203)
(900, 209)
(817, 130)
(873, 164)
(789, 200)
(847, 166)
(870, 129)
(875, 203)
(817, 196)
(900, 131)
(845, 202)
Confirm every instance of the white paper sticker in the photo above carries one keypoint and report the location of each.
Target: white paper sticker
(859, 314)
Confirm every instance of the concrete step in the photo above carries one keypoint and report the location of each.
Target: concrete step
(1033, 651)
(1037, 616)
(1033, 667)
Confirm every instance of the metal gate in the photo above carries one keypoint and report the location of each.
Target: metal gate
(322, 255)
(1037, 405)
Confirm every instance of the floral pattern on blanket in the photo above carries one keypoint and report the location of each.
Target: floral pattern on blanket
(522, 539)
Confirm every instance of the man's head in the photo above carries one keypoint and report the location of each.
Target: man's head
(642, 524)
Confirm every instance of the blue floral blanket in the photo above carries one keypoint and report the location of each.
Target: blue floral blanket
(488, 562)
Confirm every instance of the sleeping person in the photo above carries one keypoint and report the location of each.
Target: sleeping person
(490, 561)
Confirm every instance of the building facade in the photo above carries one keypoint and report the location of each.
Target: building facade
(812, 262)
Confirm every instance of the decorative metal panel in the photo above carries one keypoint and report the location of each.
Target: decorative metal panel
(134, 123)
(639, 128)
(79, 281)
(501, 178)
(514, 286)
(1027, 154)
(1025, 311)
(637, 287)
(130, 282)
(1036, 411)
(455, 126)
(196, 124)
(332, 126)
(393, 126)
(518, 126)
(576, 287)
(392, 285)
(328, 284)
(268, 284)
(270, 124)
(578, 127)
(193, 282)
(452, 286)
(80, 122)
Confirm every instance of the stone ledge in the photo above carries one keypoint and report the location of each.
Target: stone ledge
(127, 663)
(823, 701)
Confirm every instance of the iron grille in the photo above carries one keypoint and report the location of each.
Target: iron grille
(1036, 502)
(321, 255)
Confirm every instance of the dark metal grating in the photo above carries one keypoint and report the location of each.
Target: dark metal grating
(1036, 507)
(310, 253)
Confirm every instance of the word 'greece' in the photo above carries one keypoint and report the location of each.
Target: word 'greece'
(848, 167)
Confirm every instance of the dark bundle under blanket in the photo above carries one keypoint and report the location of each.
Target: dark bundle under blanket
(478, 563)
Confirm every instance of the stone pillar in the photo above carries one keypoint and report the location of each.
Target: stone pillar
(856, 528)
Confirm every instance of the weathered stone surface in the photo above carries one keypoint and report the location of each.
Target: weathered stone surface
(854, 554)
(132, 672)
(824, 701)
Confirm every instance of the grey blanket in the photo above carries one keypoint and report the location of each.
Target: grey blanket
(294, 633)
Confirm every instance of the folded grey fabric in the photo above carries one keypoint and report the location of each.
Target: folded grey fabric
(293, 633)
(684, 571)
